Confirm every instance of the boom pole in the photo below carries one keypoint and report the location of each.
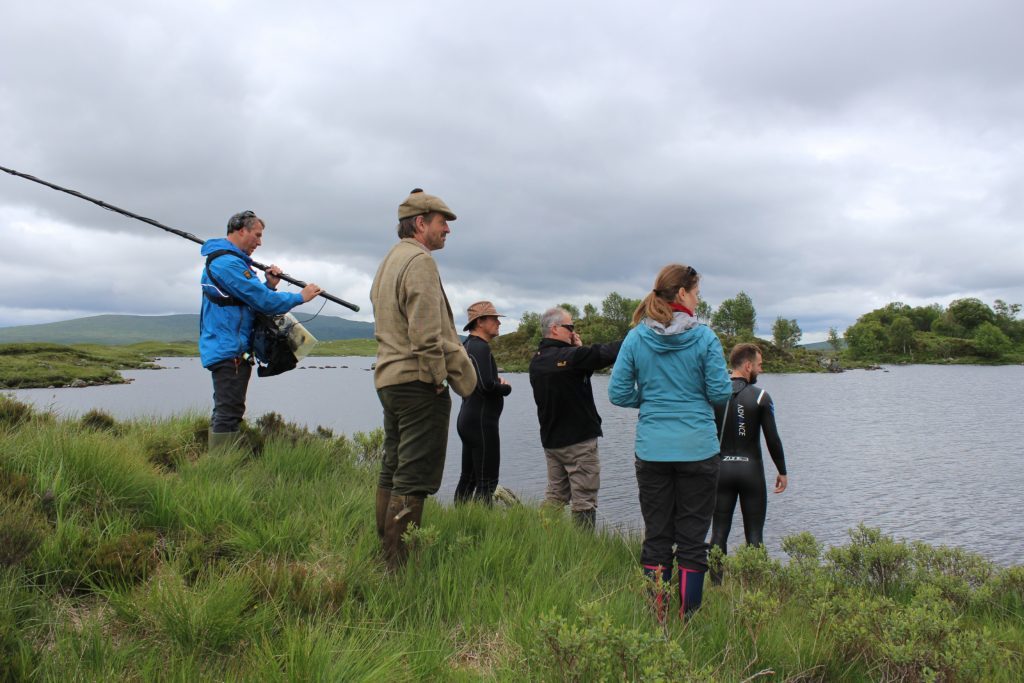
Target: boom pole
(180, 233)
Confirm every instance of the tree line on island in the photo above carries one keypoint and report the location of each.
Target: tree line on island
(968, 330)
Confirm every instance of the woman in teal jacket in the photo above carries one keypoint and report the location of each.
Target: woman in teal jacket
(672, 368)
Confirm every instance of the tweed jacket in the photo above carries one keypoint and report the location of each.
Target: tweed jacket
(413, 323)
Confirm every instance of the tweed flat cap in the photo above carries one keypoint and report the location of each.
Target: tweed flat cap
(419, 202)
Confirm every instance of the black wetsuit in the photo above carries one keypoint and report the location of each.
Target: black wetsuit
(478, 426)
(751, 411)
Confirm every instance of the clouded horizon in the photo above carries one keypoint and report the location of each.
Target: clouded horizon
(825, 158)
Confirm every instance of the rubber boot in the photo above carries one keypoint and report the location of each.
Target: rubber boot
(223, 441)
(691, 591)
(585, 519)
(403, 511)
(661, 578)
(383, 498)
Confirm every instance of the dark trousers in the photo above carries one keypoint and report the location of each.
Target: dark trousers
(230, 382)
(415, 438)
(742, 477)
(677, 500)
(481, 455)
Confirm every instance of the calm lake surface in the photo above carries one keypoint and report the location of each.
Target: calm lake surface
(925, 453)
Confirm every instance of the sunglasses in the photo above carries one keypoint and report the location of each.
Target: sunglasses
(571, 327)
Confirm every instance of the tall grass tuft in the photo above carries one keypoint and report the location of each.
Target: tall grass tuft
(210, 616)
(142, 557)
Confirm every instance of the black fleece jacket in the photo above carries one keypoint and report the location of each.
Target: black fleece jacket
(560, 377)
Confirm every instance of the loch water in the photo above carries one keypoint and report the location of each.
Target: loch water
(923, 452)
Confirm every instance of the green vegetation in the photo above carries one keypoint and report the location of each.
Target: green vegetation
(967, 331)
(786, 333)
(733, 321)
(24, 366)
(346, 347)
(27, 366)
(735, 317)
(128, 553)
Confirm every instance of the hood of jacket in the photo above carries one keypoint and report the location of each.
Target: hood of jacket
(668, 338)
(221, 243)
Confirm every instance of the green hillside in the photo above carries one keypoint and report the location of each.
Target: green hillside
(114, 330)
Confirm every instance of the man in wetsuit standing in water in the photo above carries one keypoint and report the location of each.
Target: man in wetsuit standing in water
(749, 412)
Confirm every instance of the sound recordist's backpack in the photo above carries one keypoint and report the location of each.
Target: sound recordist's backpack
(271, 346)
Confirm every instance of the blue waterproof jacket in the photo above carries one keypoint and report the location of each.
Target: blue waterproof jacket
(673, 374)
(225, 332)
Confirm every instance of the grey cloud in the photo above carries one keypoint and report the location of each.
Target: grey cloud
(811, 155)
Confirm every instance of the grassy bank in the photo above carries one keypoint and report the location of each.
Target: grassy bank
(31, 365)
(128, 553)
(346, 347)
(34, 365)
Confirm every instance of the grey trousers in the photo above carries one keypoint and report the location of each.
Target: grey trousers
(574, 475)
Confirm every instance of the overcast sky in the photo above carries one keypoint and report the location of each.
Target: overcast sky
(825, 157)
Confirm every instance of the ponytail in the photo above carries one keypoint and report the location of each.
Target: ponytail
(656, 305)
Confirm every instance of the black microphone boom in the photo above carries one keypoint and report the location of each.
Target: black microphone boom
(179, 233)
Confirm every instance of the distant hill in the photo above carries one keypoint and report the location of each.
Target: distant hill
(130, 329)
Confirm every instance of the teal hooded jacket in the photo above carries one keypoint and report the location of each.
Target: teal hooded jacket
(674, 374)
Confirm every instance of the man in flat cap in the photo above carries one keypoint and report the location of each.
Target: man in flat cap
(419, 355)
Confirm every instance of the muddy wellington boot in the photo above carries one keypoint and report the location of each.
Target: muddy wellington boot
(403, 511)
(691, 592)
(383, 498)
(223, 441)
(661, 579)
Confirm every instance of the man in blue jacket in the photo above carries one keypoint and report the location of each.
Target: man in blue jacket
(231, 295)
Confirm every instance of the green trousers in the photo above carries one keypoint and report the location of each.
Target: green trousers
(416, 420)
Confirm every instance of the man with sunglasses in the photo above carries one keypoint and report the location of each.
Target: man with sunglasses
(560, 374)
(232, 294)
